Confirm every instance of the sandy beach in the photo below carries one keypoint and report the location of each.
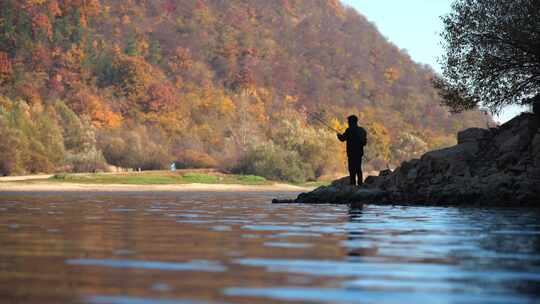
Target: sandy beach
(44, 187)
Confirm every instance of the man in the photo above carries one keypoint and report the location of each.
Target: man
(356, 138)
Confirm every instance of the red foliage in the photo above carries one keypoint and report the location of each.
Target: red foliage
(41, 22)
(169, 6)
(41, 58)
(55, 84)
(201, 5)
(5, 64)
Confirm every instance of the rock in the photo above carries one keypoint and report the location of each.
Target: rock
(500, 166)
(282, 201)
(464, 151)
(385, 172)
(370, 180)
(366, 196)
(535, 150)
(472, 135)
(343, 182)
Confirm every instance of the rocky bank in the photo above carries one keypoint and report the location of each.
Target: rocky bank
(497, 166)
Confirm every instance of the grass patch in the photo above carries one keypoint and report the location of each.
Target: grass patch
(200, 178)
(251, 179)
(161, 178)
(128, 179)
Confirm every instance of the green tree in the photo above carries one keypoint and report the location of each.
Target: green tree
(12, 148)
(492, 54)
(155, 55)
(49, 135)
(131, 47)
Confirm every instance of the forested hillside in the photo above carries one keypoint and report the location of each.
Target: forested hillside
(207, 83)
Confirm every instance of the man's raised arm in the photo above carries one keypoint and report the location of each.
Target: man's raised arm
(342, 137)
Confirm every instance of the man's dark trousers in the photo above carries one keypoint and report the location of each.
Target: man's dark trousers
(355, 170)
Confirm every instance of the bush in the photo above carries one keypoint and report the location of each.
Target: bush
(88, 161)
(274, 162)
(195, 159)
(133, 149)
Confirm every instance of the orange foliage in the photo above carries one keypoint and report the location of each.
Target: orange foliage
(180, 60)
(85, 102)
(54, 8)
(92, 7)
(126, 19)
(30, 94)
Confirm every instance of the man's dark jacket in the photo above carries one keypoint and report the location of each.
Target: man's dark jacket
(356, 138)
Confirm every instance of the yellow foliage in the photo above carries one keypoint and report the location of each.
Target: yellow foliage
(391, 75)
(291, 100)
(143, 46)
(378, 141)
(227, 106)
(136, 75)
(74, 57)
(336, 124)
(30, 3)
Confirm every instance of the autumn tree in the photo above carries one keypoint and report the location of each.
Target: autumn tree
(492, 53)
(160, 97)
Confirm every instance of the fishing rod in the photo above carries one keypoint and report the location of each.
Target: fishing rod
(324, 123)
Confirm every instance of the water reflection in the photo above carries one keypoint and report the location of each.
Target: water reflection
(238, 248)
(188, 266)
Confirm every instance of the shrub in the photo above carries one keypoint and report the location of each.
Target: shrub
(195, 159)
(274, 162)
(87, 161)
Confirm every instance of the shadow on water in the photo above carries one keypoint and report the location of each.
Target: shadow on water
(238, 248)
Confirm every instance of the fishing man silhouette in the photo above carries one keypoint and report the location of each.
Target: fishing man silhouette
(356, 138)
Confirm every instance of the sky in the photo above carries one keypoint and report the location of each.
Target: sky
(414, 25)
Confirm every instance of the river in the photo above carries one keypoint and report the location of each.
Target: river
(195, 247)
